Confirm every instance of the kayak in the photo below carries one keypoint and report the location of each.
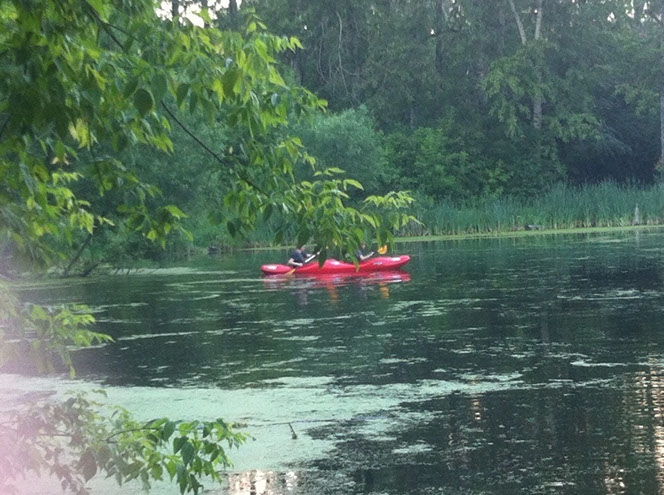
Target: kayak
(335, 266)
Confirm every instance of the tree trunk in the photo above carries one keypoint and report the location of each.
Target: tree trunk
(232, 14)
(503, 24)
(441, 20)
(204, 6)
(175, 8)
(538, 22)
(77, 255)
(537, 100)
(519, 24)
(661, 92)
(638, 14)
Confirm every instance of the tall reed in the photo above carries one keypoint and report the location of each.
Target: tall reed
(601, 205)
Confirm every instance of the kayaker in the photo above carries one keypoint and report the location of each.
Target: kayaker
(360, 253)
(300, 257)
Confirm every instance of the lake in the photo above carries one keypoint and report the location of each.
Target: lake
(532, 364)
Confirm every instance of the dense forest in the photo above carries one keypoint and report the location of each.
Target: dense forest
(493, 115)
(472, 98)
(472, 106)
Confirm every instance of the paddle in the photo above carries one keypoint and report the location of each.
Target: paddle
(382, 249)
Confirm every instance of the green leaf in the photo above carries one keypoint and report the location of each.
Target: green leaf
(303, 237)
(143, 101)
(168, 430)
(205, 15)
(171, 468)
(178, 443)
(156, 471)
(175, 211)
(159, 86)
(98, 5)
(38, 313)
(267, 213)
(229, 81)
(181, 93)
(88, 464)
(188, 452)
(60, 150)
(130, 87)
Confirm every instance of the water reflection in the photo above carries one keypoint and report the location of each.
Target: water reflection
(276, 282)
(505, 366)
(301, 285)
(257, 482)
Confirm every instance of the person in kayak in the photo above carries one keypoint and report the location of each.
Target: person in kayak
(360, 253)
(300, 257)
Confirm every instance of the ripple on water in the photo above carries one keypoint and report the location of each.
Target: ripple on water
(504, 366)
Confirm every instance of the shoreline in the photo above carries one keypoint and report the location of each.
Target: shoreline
(528, 233)
(497, 235)
(152, 264)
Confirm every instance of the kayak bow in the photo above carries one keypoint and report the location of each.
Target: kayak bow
(335, 266)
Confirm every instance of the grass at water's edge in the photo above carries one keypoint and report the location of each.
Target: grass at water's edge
(140, 265)
(500, 234)
(525, 233)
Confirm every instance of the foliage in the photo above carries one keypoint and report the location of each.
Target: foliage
(320, 211)
(84, 84)
(350, 141)
(122, 95)
(595, 70)
(78, 438)
(439, 163)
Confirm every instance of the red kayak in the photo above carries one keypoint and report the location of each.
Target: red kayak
(334, 266)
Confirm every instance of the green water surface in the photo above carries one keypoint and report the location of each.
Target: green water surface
(532, 365)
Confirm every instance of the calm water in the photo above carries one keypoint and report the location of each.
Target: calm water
(531, 365)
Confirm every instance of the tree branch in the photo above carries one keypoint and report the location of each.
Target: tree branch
(77, 255)
(538, 22)
(89, 269)
(214, 154)
(517, 18)
(192, 135)
(131, 430)
(104, 25)
(341, 67)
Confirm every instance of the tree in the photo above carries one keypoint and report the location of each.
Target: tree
(654, 11)
(350, 141)
(539, 14)
(81, 83)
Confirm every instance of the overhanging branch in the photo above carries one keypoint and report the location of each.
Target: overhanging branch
(218, 157)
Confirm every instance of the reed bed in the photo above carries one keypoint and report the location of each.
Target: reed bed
(607, 204)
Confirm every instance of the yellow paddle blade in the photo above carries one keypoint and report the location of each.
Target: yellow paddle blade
(382, 249)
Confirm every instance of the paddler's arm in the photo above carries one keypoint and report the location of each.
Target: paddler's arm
(364, 257)
(312, 256)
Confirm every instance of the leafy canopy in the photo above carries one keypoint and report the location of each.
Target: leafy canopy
(81, 82)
